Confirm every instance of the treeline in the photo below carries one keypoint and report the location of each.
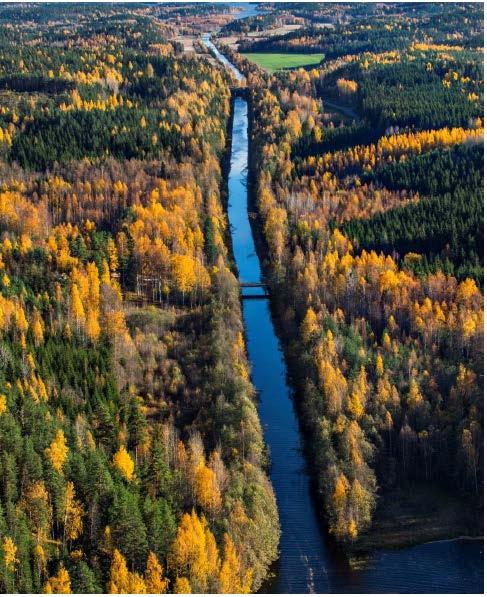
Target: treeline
(412, 89)
(131, 455)
(409, 95)
(79, 134)
(388, 363)
(439, 233)
(268, 20)
(332, 42)
(376, 30)
(444, 232)
(42, 85)
(333, 138)
(435, 172)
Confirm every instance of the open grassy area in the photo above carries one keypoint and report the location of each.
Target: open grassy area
(277, 61)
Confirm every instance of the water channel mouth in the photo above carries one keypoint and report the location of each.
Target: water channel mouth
(309, 561)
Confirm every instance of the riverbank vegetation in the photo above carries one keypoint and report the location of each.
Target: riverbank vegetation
(375, 253)
(131, 454)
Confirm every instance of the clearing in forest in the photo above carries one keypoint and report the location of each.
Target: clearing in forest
(272, 61)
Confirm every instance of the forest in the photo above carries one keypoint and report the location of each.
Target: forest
(131, 454)
(373, 223)
(453, 181)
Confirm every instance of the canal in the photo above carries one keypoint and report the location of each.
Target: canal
(309, 561)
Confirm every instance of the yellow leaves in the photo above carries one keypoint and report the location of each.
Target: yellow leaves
(386, 392)
(333, 384)
(414, 395)
(184, 272)
(293, 124)
(57, 452)
(275, 230)
(194, 557)
(121, 580)
(356, 402)
(77, 311)
(137, 584)
(352, 529)
(3, 404)
(59, 584)
(347, 87)
(193, 553)
(431, 47)
(94, 285)
(73, 513)
(341, 490)
(362, 381)
(21, 322)
(330, 262)
(230, 576)
(466, 379)
(412, 258)
(466, 291)
(339, 501)
(182, 586)
(35, 502)
(37, 327)
(340, 243)
(9, 554)
(40, 557)
(396, 147)
(92, 326)
(379, 366)
(356, 405)
(351, 507)
(309, 325)
(120, 188)
(388, 280)
(123, 462)
(155, 583)
(330, 344)
(469, 326)
(206, 489)
(76, 99)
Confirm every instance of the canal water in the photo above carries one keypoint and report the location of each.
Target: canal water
(309, 562)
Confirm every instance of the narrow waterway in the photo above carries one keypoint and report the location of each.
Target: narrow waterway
(309, 561)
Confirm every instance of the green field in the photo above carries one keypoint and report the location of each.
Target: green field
(277, 61)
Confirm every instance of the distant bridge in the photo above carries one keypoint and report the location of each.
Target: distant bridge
(263, 295)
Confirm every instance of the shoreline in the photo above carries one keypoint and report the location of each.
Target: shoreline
(418, 515)
(376, 538)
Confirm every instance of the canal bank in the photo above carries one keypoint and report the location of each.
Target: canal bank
(309, 561)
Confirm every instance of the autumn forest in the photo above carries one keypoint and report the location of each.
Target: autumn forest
(134, 456)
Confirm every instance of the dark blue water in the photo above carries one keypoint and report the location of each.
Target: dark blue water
(308, 561)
